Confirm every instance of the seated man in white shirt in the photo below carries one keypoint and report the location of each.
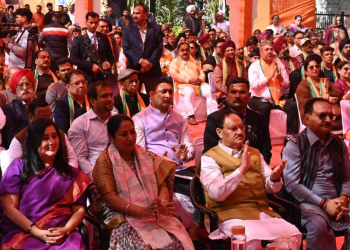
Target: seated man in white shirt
(236, 178)
(37, 108)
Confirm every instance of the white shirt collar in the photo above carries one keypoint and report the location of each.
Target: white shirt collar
(229, 150)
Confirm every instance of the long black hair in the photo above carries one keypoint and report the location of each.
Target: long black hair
(32, 161)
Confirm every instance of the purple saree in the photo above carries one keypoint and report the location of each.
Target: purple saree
(45, 200)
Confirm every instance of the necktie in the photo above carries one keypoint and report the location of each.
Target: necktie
(95, 41)
(26, 106)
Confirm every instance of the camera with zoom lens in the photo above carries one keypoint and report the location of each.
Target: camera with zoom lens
(33, 30)
(5, 29)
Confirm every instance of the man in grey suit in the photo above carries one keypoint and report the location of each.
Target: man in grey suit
(143, 46)
(317, 174)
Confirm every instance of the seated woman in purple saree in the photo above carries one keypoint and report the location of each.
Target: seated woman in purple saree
(42, 198)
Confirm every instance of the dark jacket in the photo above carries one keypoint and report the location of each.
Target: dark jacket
(121, 21)
(153, 47)
(79, 55)
(257, 132)
(47, 18)
(16, 120)
(54, 36)
(8, 19)
(191, 23)
(132, 104)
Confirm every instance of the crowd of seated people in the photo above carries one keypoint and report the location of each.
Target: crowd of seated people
(106, 115)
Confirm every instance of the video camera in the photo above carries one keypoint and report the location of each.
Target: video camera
(33, 30)
(5, 29)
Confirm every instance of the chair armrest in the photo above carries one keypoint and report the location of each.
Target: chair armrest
(84, 234)
(293, 212)
(278, 208)
(102, 229)
(213, 216)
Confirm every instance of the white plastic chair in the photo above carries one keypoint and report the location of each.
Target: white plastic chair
(212, 85)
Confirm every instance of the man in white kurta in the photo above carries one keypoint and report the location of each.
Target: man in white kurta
(221, 181)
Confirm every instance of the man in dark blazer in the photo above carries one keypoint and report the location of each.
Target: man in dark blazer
(143, 46)
(22, 83)
(79, 55)
(257, 127)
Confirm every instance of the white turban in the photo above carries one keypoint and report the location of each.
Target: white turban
(190, 7)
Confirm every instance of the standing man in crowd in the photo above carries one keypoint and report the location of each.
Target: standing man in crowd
(125, 19)
(71, 12)
(143, 46)
(221, 23)
(38, 17)
(110, 16)
(332, 32)
(17, 48)
(94, 68)
(10, 16)
(48, 15)
(192, 22)
(54, 39)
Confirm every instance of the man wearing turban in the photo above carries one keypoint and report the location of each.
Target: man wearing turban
(229, 67)
(344, 55)
(192, 22)
(281, 49)
(22, 83)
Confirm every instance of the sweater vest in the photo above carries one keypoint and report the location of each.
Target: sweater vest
(249, 198)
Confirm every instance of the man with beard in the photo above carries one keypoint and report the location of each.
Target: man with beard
(257, 128)
(214, 59)
(327, 65)
(240, 55)
(42, 74)
(129, 101)
(48, 15)
(296, 49)
(317, 175)
(281, 49)
(189, 81)
(192, 37)
(289, 36)
(192, 22)
(145, 58)
(306, 48)
(228, 68)
(205, 46)
(75, 103)
(344, 48)
(269, 81)
(125, 19)
(170, 45)
(221, 23)
(332, 31)
(88, 133)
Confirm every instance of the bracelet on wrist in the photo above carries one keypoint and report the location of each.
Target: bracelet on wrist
(126, 210)
(30, 227)
(277, 180)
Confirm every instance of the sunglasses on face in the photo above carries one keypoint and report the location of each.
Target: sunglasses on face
(323, 116)
(314, 67)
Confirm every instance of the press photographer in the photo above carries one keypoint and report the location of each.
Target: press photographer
(18, 47)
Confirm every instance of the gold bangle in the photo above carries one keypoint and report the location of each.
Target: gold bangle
(126, 210)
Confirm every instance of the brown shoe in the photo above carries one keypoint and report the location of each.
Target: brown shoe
(192, 121)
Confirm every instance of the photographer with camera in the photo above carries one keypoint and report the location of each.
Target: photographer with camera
(17, 46)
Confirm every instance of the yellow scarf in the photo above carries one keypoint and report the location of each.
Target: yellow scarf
(140, 104)
(274, 85)
(71, 107)
(225, 75)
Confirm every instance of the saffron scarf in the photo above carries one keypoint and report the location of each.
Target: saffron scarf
(335, 77)
(273, 84)
(203, 26)
(140, 103)
(225, 70)
(217, 59)
(203, 53)
(36, 78)
(305, 55)
(314, 91)
(71, 107)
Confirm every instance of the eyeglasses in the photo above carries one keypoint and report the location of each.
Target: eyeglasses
(184, 50)
(76, 84)
(314, 67)
(21, 86)
(323, 116)
(234, 129)
(132, 81)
